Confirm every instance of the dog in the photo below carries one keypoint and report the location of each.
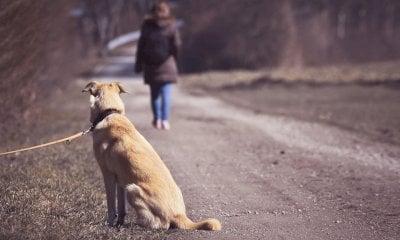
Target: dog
(132, 169)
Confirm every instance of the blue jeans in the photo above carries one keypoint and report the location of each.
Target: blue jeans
(160, 100)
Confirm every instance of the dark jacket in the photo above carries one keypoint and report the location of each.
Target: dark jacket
(167, 71)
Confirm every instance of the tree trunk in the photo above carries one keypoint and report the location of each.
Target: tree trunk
(292, 53)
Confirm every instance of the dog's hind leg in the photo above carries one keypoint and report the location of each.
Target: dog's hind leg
(146, 212)
(121, 195)
(110, 185)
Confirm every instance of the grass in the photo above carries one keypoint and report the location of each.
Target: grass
(374, 72)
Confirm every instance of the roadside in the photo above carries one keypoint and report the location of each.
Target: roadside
(367, 107)
(264, 176)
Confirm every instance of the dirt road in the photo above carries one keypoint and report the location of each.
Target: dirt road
(263, 176)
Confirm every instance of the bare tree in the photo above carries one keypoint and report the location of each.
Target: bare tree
(292, 54)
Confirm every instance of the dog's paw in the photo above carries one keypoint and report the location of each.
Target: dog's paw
(108, 224)
(119, 223)
(111, 221)
(121, 219)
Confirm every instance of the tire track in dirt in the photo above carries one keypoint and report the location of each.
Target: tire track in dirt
(312, 137)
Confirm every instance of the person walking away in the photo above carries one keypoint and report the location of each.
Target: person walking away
(156, 56)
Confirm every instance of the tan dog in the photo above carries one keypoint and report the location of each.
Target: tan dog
(132, 168)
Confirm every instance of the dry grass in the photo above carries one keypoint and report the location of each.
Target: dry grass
(35, 42)
(217, 79)
(345, 73)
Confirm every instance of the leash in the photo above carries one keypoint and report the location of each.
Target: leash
(66, 140)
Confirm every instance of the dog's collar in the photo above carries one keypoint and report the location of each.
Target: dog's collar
(100, 118)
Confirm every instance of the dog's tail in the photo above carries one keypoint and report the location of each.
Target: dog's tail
(183, 222)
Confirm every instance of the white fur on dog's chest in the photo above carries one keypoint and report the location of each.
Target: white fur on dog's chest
(104, 146)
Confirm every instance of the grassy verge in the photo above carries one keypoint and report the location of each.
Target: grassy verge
(368, 73)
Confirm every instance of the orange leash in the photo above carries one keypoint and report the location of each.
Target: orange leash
(98, 119)
(66, 140)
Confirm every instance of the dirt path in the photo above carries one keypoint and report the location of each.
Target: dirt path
(270, 177)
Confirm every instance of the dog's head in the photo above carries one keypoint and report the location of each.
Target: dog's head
(104, 96)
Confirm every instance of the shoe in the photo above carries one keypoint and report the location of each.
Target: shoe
(165, 125)
(157, 124)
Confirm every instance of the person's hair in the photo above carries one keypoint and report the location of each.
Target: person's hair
(161, 9)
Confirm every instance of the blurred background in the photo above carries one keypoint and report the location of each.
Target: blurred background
(44, 44)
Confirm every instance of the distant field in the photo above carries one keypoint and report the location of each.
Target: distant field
(346, 73)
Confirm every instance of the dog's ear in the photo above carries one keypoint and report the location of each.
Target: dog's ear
(91, 88)
(121, 89)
